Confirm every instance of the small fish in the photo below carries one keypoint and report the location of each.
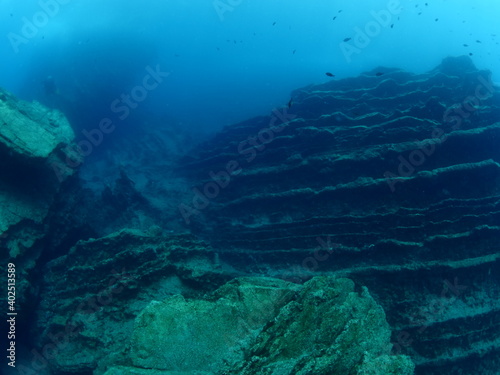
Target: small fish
(290, 102)
(437, 19)
(426, 4)
(378, 74)
(392, 26)
(330, 74)
(274, 23)
(340, 11)
(470, 53)
(419, 13)
(294, 51)
(466, 45)
(334, 18)
(478, 41)
(347, 39)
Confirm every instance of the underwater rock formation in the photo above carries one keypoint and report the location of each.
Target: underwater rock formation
(142, 305)
(32, 168)
(392, 180)
(115, 277)
(261, 325)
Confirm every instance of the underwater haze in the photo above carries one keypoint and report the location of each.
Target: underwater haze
(223, 60)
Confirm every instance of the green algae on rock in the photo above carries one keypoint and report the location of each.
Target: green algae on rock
(266, 326)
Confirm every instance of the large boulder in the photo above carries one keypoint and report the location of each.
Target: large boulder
(265, 326)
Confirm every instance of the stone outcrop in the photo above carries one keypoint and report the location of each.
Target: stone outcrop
(261, 325)
(391, 179)
(113, 279)
(32, 168)
(245, 326)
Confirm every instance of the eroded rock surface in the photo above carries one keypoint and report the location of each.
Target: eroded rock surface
(266, 326)
(91, 296)
(391, 179)
(32, 168)
(133, 301)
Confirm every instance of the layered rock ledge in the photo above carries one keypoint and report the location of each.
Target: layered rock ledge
(391, 179)
(146, 305)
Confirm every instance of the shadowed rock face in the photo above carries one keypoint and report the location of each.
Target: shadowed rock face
(32, 169)
(392, 180)
(31, 160)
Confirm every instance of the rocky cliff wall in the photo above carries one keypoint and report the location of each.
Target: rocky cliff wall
(390, 178)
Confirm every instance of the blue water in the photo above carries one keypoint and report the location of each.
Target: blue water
(226, 60)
